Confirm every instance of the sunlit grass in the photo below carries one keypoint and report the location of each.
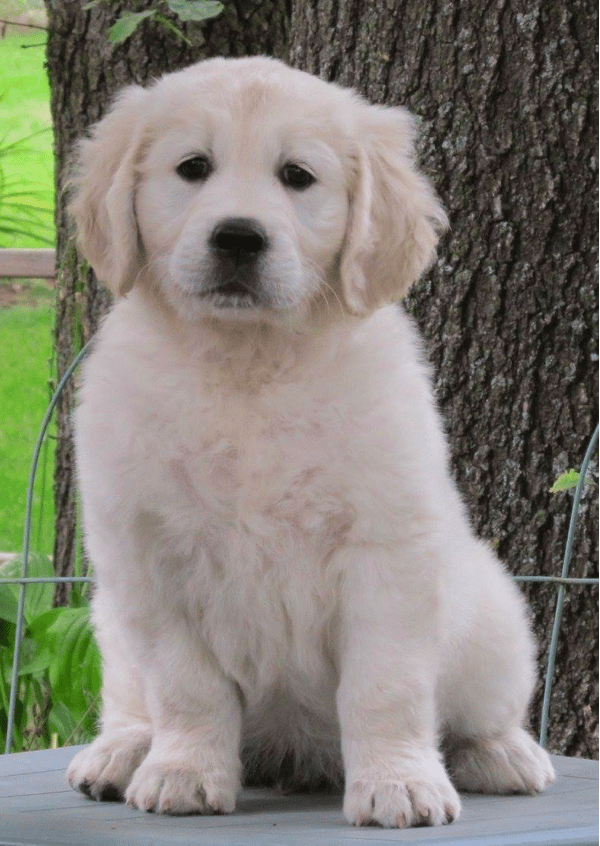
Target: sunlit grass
(26, 344)
(26, 220)
(26, 159)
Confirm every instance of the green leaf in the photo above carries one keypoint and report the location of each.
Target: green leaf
(195, 10)
(38, 663)
(171, 26)
(40, 627)
(64, 639)
(566, 481)
(126, 25)
(38, 597)
(5, 673)
(91, 4)
(8, 604)
(61, 721)
(75, 658)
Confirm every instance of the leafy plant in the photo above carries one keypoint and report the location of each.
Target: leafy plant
(59, 676)
(185, 10)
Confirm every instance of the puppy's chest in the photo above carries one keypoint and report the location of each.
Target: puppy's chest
(250, 475)
(265, 503)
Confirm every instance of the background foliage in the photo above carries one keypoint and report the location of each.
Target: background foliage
(59, 677)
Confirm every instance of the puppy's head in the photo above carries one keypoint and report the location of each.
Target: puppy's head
(246, 190)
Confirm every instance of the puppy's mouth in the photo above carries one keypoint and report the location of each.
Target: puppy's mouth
(238, 290)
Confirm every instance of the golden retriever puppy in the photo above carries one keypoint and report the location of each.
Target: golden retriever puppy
(288, 589)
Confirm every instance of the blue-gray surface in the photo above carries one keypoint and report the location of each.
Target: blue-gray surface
(37, 808)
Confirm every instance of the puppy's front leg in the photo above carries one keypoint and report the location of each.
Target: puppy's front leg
(388, 664)
(193, 765)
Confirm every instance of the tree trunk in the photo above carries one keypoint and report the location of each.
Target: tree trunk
(506, 94)
(85, 72)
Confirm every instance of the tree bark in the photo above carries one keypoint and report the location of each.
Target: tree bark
(85, 71)
(506, 94)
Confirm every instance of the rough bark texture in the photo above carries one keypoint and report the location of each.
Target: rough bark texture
(85, 71)
(506, 93)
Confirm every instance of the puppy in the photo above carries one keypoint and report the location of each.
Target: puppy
(288, 589)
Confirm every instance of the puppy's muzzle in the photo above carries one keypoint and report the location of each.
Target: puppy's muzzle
(237, 243)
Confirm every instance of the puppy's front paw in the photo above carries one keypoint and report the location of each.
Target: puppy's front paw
(172, 788)
(103, 769)
(409, 799)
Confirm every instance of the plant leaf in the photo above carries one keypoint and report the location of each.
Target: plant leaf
(126, 25)
(38, 663)
(91, 4)
(195, 10)
(171, 26)
(74, 654)
(38, 597)
(8, 604)
(61, 720)
(566, 481)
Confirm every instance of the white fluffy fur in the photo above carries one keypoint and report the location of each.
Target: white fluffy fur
(286, 578)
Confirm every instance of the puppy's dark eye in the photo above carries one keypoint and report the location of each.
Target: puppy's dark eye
(294, 176)
(195, 169)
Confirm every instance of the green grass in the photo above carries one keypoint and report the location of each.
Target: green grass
(26, 344)
(26, 159)
(26, 220)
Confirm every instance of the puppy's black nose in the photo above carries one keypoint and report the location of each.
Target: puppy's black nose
(239, 237)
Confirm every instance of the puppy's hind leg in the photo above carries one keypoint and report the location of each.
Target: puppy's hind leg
(484, 700)
(512, 762)
(104, 769)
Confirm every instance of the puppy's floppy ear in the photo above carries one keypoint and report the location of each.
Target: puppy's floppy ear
(102, 183)
(395, 217)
